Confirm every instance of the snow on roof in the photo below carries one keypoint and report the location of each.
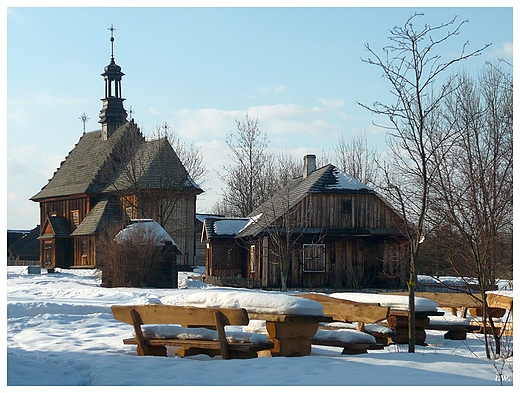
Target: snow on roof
(149, 230)
(253, 301)
(395, 302)
(252, 220)
(229, 226)
(347, 182)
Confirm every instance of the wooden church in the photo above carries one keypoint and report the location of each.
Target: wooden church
(114, 175)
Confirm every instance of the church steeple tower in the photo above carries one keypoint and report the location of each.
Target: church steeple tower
(113, 114)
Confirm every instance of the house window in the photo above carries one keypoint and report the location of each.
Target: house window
(314, 258)
(74, 217)
(347, 206)
(252, 258)
(84, 251)
(130, 211)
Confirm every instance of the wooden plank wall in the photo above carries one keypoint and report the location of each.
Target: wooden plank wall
(63, 208)
(326, 211)
(351, 262)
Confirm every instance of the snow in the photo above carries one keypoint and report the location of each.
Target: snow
(60, 331)
(173, 331)
(347, 182)
(229, 226)
(149, 230)
(253, 301)
(395, 302)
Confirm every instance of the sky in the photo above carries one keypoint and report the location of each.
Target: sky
(299, 71)
(61, 332)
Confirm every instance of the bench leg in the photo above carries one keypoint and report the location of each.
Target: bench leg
(291, 338)
(142, 348)
(353, 351)
(455, 335)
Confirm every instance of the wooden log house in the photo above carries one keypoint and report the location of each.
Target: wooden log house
(335, 231)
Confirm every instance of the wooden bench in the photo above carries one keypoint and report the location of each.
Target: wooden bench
(463, 303)
(189, 317)
(335, 339)
(453, 331)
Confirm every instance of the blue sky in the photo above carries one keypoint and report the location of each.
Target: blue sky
(298, 70)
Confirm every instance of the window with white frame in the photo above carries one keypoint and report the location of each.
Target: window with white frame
(314, 258)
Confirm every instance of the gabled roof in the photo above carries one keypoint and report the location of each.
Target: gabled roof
(325, 180)
(107, 211)
(124, 161)
(59, 228)
(223, 227)
(83, 169)
(28, 246)
(153, 165)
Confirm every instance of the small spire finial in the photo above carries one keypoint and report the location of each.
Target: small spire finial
(84, 119)
(112, 29)
(130, 112)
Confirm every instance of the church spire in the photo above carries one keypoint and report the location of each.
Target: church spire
(113, 114)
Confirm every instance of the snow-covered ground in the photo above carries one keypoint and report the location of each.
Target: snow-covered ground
(60, 331)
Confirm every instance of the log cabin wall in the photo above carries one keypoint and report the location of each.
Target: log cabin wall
(84, 251)
(344, 211)
(74, 210)
(178, 221)
(353, 258)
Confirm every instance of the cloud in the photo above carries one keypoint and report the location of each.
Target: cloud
(42, 98)
(297, 129)
(332, 103)
(28, 170)
(503, 52)
(275, 90)
(17, 111)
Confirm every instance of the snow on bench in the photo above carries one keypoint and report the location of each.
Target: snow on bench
(253, 301)
(352, 341)
(395, 302)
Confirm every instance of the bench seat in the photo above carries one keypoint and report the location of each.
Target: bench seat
(352, 341)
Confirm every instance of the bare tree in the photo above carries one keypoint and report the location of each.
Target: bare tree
(247, 182)
(190, 154)
(154, 183)
(412, 65)
(357, 159)
(474, 190)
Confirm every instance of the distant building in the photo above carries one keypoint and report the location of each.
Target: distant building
(111, 176)
(23, 247)
(200, 247)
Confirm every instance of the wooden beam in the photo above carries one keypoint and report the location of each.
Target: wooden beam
(349, 311)
(191, 316)
(446, 299)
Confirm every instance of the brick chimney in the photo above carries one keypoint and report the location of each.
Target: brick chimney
(309, 164)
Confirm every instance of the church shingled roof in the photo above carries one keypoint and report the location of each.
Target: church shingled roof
(97, 166)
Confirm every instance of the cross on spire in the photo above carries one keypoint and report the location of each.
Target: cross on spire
(112, 29)
(84, 119)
